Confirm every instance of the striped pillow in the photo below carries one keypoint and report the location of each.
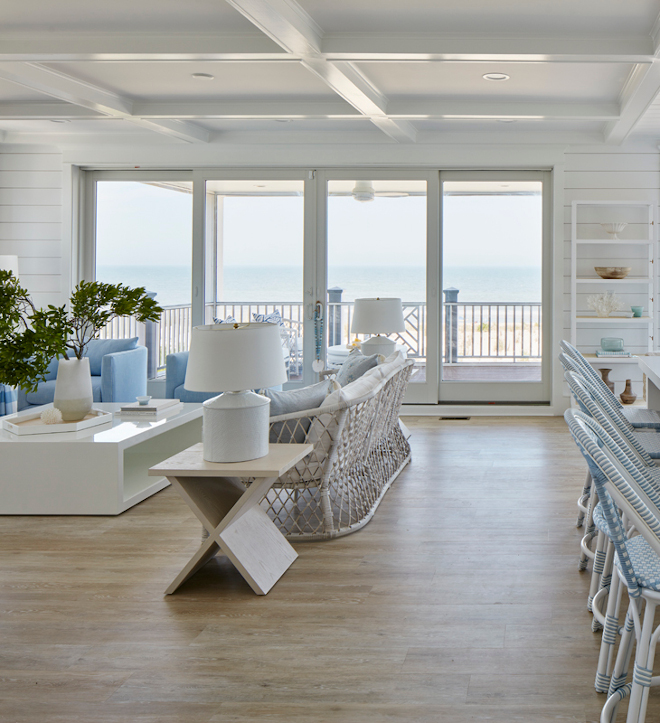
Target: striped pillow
(273, 318)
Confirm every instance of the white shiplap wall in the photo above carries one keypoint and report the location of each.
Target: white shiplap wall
(617, 174)
(31, 217)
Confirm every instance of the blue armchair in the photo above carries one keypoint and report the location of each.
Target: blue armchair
(118, 368)
(175, 370)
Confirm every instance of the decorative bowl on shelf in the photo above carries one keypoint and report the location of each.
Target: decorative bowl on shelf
(612, 272)
(613, 229)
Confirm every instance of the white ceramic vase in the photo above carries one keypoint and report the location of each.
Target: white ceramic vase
(73, 389)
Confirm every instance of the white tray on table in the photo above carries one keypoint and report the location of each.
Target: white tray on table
(30, 422)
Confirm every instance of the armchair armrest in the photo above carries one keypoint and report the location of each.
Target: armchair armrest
(175, 372)
(124, 375)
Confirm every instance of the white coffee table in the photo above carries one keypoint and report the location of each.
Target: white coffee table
(99, 471)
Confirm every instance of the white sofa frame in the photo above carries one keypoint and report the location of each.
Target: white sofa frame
(359, 450)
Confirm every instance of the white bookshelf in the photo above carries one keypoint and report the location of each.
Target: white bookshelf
(636, 248)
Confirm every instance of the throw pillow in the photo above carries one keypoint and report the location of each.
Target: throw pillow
(294, 400)
(98, 348)
(228, 320)
(355, 366)
(273, 318)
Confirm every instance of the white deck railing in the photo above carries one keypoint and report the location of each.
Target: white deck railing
(471, 331)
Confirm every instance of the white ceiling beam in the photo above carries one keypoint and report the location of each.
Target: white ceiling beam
(105, 47)
(655, 35)
(640, 91)
(308, 39)
(298, 109)
(411, 109)
(290, 27)
(285, 22)
(400, 47)
(45, 111)
(422, 108)
(63, 87)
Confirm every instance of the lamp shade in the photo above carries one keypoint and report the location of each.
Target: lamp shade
(377, 316)
(9, 263)
(234, 357)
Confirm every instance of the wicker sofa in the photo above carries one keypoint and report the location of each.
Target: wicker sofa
(359, 450)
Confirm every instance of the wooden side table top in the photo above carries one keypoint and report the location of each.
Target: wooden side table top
(280, 458)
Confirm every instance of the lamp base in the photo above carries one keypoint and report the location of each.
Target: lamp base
(378, 345)
(235, 427)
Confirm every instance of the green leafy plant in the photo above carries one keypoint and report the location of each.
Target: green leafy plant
(30, 338)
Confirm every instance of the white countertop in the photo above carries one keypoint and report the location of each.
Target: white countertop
(650, 365)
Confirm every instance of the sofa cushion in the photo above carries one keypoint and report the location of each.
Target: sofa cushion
(290, 401)
(361, 387)
(355, 366)
(46, 392)
(184, 395)
(51, 372)
(392, 364)
(98, 348)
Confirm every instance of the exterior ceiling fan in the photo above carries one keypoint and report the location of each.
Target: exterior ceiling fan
(364, 192)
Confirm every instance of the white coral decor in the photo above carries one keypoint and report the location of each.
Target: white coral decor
(604, 304)
(51, 416)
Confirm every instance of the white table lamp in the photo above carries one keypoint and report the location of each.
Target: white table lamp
(377, 316)
(233, 358)
(9, 263)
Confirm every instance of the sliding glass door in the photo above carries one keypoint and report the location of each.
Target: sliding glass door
(255, 230)
(496, 287)
(381, 228)
(141, 224)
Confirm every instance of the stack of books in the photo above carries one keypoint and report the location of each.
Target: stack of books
(154, 407)
(600, 352)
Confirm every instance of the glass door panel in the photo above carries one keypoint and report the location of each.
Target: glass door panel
(493, 285)
(377, 247)
(143, 233)
(256, 249)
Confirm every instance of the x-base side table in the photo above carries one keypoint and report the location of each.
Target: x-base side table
(230, 512)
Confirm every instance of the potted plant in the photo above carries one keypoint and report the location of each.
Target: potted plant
(30, 338)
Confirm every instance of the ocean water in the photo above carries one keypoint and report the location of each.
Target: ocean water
(284, 283)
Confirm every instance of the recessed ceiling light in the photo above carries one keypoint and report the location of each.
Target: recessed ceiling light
(60, 120)
(203, 76)
(496, 76)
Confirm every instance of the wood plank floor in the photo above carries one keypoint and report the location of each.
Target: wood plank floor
(460, 601)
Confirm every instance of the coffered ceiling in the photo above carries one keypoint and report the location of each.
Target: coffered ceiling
(378, 71)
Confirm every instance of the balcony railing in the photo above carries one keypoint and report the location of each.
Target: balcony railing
(471, 331)
(503, 332)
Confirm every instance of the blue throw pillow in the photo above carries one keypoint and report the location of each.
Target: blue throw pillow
(355, 366)
(98, 348)
(228, 320)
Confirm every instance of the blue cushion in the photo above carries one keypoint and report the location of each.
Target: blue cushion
(46, 392)
(184, 395)
(51, 372)
(98, 348)
(228, 320)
